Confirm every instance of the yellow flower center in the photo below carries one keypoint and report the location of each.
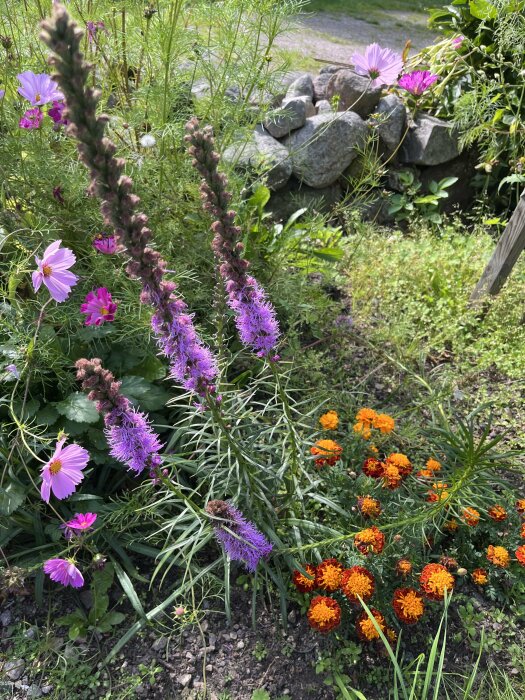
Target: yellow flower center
(104, 311)
(38, 97)
(411, 604)
(330, 577)
(358, 585)
(322, 614)
(46, 270)
(368, 629)
(440, 581)
(55, 466)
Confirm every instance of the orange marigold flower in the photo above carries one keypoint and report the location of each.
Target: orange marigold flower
(366, 415)
(391, 477)
(520, 554)
(471, 516)
(369, 507)
(522, 531)
(435, 580)
(324, 614)
(328, 575)
(439, 492)
(329, 420)
(404, 567)
(363, 429)
(384, 423)
(373, 449)
(330, 452)
(365, 627)
(400, 461)
(520, 506)
(408, 605)
(449, 562)
(497, 513)
(373, 467)
(480, 577)
(370, 540)
(499, 556)
(433, 465)
(302, 582)
(451, 525)
(425, 474)
(357, 582)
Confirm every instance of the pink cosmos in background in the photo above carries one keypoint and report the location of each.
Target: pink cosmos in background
(38, 89)
(457, 41)
(79, 523)
(56, 113)
(98, 307)
(54, 273)
(418, 81)
(64, 571)
(63, 472)
(105, 243)
(13, 369)
(382, 66)
(32, 119)
(93, 28)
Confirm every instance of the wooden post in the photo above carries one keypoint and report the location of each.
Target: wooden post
(505, 255)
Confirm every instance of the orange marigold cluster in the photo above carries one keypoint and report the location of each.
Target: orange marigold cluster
(449, 562)
(451, 525)
(324, 614)
(370, 541)
(520, 554)
(471, 516)
(328, 575)
(329, 420)
(480, 577)
(520, 506)
(522, 531)
(373, 467)
(435, 579)
(369, 507)
(408, 605)
(391, 477)
(328, 452)
(497, 513)
(404, 567)
(384, 423)
(357, 582)
(439, 492)
(499, 556)
(400, 461)
(363, 422)
(304, 584)
(365, 627)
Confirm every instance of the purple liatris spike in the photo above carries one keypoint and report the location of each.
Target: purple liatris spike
(240, 538)
(255, 316)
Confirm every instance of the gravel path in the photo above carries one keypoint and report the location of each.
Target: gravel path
(334, 37)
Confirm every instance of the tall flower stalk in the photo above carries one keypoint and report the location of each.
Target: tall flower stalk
(255, 316)
(192, 363)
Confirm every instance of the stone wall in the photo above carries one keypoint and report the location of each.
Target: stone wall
(317, 129)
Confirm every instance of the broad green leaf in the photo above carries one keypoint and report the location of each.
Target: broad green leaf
(47, 415)
(483, 9)
(144, 393)
(77, 407)
(259, 198)
(11, 498)
(330, 254)
(151, 369)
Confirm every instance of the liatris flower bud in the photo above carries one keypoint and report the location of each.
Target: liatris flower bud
(240, 538)
(192, 362)
(254, 315)
(128, 432)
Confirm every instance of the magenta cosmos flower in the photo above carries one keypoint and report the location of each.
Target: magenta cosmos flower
(105, 243)
(382, 66)
(98, 307)
(32, 119)
(38, 89)
(63, 472)
(79, 523)
(64, 571)
(54, 273)
(457, 41)
(56, 112)
(418, 81)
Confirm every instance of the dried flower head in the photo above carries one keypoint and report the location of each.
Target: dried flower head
(324, 614)
(449, 562)
(357, 583)
(497, 513)
(435, 580)
(328, 575)
(329, 420)
(404, 567)
(451, 525)
(373, 467)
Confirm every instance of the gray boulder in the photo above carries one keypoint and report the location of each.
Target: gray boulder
(323, 106)
(290, 116)
(262, 153)
(320, 84)
(296, 196)
(430, 141)
(331, 68)
(391, 124)
(326, 145)
(354, 93)
(301, 86)
(308, 104)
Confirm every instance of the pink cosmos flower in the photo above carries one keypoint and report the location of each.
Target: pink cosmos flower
(64, 571)
(93, 28)
(457, 41)
(13, 369)
(98, 307)
(105, 243)
(53, 271)
(2, 93)
(32, 119)
(382, 66)
(418, 81)
(56, 113)
(38, 89)
(63, 472)
(80, 522)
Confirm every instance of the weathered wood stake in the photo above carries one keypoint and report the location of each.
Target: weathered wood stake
(504, 257)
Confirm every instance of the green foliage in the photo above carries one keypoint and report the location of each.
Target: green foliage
(411, 204)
